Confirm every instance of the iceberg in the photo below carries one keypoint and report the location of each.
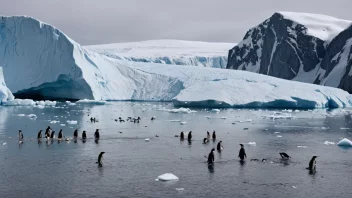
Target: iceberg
(345, 143)
(167, 177)
(174, 52)
(55, 66)
(5, 93)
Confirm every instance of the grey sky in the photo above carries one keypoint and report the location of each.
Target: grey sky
(109, 21)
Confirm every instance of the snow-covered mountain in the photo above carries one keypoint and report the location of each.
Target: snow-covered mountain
(40, 60)
(5, 93)
(287, 45)
(175, 52)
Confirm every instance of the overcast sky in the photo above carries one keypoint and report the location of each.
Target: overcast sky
(109, 21)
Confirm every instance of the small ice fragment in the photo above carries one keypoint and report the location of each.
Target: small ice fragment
(62, 124)
(167, 177)
(343, 128)
(147, 140)
(301, 146)
(252, 143)
(183, 123)
(294, 187)
(277, 132)
(296, 111)
(71, 121)
(180, 189)
(215, 110)
(54, 121)
(4, 143)
(249, 120)
(345, 142)
(324, 128)
(21, 115)
(279, 136)
(32, 116)
(329, 143)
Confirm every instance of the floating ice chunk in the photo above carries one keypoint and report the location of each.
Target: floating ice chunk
(279, 136)
(19, 102)
(215, 110)
(71, 121)
(252, 143)
(181, 110)
(183, 123)
(32, 116)
(21, 115)
(180, 189)
(62, 124)
(343, 128)
(329, 143)
(70, 103)
(345, 142)
(147, 140)
(277, 132)
(54, 121)
(277, 115)
(40, 106)
(287, 110)
(296, 111)
(324, 128)
(4, 143)
(167, 177)
(175, 120)
(95, 102)
(294, 187)
(301, 146)
(46, 103)
(249, 120)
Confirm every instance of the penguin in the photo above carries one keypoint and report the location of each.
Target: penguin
(211, 157)
(205, 141)
(242, 153)
(219, 146)
(214, 135)
(153, 118)
(39, 136)
(84, 135)
(138, 118)
(190, 136)
(75, 134)
(208, 135)
(264, 160)
(182, 135)
(100, 159)
(20, 135)
(47, 132)
(312, 164)
(60, 135)
(96, 134)
(91, 119)
(52, 135)
(284, 156)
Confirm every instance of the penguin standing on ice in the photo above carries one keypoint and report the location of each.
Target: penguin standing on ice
(208, 135)
(75, 134)
(96, 134)
(214, 135)
(219, 146)
(39, 136)
(211, 157)
(190, 136)
(47, 132)
(284, 156)
(205, 141)
(312, 164)
(84, 135)
(182, 136)
(242, 153)
(60, 135)
(100, 159)
(52, 135)
(20, 135)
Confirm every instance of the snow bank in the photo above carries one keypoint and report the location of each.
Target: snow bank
(167, 177)
(68, 70)
(345, 142)
(320, 26)
(96, 102)
(5, 93)
(175, 52)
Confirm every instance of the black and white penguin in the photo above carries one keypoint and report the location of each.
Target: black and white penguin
(84, 135)
(75, 134)
(242, 153)
(312, 164)
(153, 118)
(219, 146)
(190, 136)
(100, 159)
(211, 157)
(20, 135)
(60, 135)
(96, 134)
(205, 141)
(39, 136)
(47, 132)
(182, 135)
(52, 135)
(214, 135)
(208, 135)
(284, 156)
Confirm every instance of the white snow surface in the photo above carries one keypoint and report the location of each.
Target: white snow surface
(167, 177)
(176, 52)
(345, 142)
(53, 65)
(5, 93)
(318, 25)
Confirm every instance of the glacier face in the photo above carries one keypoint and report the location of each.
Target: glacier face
(289, 45)
(5, 93)
(39, 60)
(174, 52)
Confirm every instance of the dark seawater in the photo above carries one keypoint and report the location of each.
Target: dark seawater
(131, 165)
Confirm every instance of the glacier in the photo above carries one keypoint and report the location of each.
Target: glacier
(174, 52)
(5, 93)
(54, 66)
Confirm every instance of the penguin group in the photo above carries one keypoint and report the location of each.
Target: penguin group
(129, 119)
